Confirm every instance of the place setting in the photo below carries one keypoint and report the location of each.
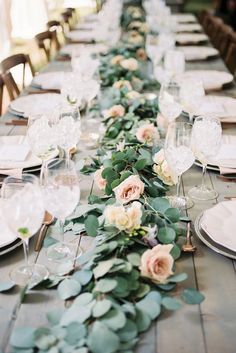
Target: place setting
(191, 38)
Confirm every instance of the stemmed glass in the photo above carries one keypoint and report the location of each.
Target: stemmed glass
(23, 211)
(41, 139)
(169, 100)
(179, 157)
(190, 92)
(205, 143)
(61, 194)
(174, 63)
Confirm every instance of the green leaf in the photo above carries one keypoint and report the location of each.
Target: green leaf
(192, 296)
(143, 321)
(160, 204)
(102, 268)
(150, 307)
(178, 278)
(102, 340)
(68, 288)
(54, 316)
(134, 259)
(155, 296)
(75, 332)
(101, 308)
(91, 225)
(43, 338)
(83, 299)
(23, 337)
(140, 164)
(83, 276)
(171, 303)
(115, 183)
(142, 290)
(175, 251)
(5, 286)
(166, 235)
(75, 314)
(105, 285)
(128, 332)
(48, 241)
(114, 319)
(173, 214)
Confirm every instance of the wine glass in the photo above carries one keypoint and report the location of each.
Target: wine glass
(61, 194)
(67, 127)
(174, 63)
(205, 142)
(169, 100)
(179, 157)
(191, 90)
(41, 139)
(23, 211)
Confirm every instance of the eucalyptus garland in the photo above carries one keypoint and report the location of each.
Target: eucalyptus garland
(130, 274)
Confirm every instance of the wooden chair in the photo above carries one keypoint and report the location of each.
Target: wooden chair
(1, 93)
(48, 41)
(11, 86)
(59, 28)
(68, 20)
(230, 59)
(18, 59)
(224, 40)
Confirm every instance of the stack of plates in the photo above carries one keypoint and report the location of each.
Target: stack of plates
(193, 53)
(216, 228)
(86, 36)
(191, 38)
(184, 18)
(221, 107)
(34, 104)
(90, 49)
(49, 80)
(211, 79)
(188, 27)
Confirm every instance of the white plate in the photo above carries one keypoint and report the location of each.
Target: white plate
(7, 236)
(31, 159)
(83, 36)
(50, 80)
(192, 53)
(90, 48)
(226, 158)
(191, 38)
(188, 27)
(35, 104)
(184, 18)
(219, 222)
(212, 79)
(221, 107)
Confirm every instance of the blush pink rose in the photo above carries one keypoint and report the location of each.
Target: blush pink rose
(114, 111)
(147, 133)
(130, 189)
(157, 263)
(99, 180)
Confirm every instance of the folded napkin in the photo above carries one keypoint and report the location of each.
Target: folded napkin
(16, 173)
(16, 153)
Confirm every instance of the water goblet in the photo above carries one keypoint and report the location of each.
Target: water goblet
(191, 90)
(205, 143)
(179, 157)
(169, 100)
(23, 211)
(61, 194)
(174, 63)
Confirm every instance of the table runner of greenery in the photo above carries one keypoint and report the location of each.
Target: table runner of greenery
(124, 282)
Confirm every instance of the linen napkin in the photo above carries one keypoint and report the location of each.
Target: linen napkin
(17, 153)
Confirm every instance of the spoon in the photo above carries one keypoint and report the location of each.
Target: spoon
(48, 219)
(188, 247)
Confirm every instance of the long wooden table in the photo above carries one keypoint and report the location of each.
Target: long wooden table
(206, 328)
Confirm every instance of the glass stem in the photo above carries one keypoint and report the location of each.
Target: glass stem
(67, 153)
(61, 225)
(42, 172)
(203, 186)
(26, 251)
(178, 186)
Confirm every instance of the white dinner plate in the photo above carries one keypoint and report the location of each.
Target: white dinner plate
(219, 222)
(30, 161)
(212, 79)
(50, 80)
(184, 17)
(82, 36)
(221, 107)
(191, 38)
(90, 48)
(35, 104)
(188, 27)
(193, 53)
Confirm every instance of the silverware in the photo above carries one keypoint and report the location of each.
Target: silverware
(17, 122)
(188, 246)
(48, 219)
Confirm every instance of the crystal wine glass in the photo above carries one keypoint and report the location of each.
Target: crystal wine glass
(174, 63)
(190, 92)
(169, 101)
(23, 211)
(179, 157)
(61, 194)
(206, 143)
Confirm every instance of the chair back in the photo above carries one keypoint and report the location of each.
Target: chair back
(48, 41)
(11, 86)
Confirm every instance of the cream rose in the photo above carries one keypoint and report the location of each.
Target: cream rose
(99, 180)
(157, 263)
(122, 83)
(147, 133)
(141, 54)
(130, 189)
(133, 95)
(124, 219)
(129, 64)
(117, 59)
(162, 169)
(162, 123)
(114, 111)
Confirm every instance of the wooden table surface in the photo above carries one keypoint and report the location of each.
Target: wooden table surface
(206, 328)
